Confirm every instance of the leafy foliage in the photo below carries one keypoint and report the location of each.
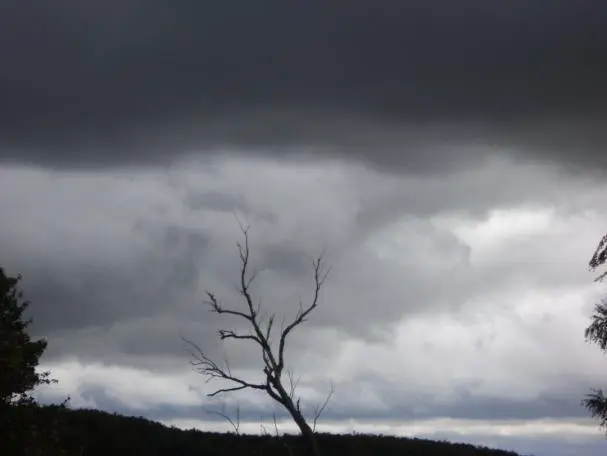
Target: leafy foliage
(21, 432)
(19, 355)
(599, 257)
(596, 403)
(596, 332)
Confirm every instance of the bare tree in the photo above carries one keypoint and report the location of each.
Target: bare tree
(278, 383)
(235, 423)
(596, 332)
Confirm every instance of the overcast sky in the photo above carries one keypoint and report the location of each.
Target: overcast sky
(448, 157)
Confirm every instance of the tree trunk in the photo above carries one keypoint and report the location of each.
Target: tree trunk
(303, 426)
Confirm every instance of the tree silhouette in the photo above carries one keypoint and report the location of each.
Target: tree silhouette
(596, 332)
(98, 433)
(22, 432)
(19, 355)
(279, 384)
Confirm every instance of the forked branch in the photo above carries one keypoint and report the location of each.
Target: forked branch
(261, 331)
(318, 411)
(235, 423)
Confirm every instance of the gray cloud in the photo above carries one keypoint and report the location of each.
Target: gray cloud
(72, 292)
(476, 409)
(534, 446)
(391, 405)
(436, 305)
(400, 137)
(137, 83)
(171, 238)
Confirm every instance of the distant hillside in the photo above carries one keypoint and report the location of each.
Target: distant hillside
(96, 433)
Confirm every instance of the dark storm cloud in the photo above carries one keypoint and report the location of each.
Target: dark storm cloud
(115, 82)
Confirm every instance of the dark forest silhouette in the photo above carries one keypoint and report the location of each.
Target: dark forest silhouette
(97, 433)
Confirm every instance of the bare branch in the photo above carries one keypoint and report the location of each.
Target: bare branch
(319, 279)
(292, 383)
(268, 355)
(318, 411)
(234, 388)
(223, 414)
(229, 334)
(226, 361)
(600, 277)
(204, 365)
(250, 280)
(275, 424)
(264, 430)
(271, 392)
(269, 328)
(260, 332)
(219, 309)
(243, 227)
